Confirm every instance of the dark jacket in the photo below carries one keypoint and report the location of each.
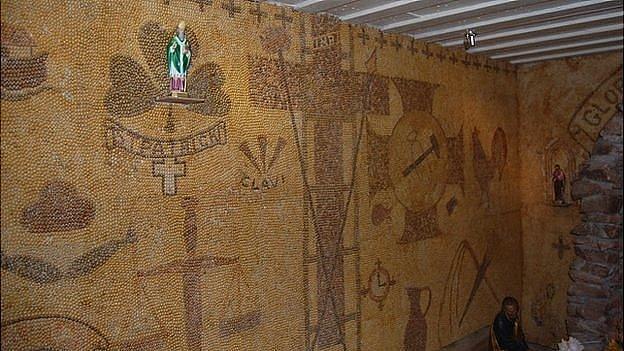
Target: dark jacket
(508, 337)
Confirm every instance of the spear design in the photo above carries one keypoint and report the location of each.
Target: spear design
(485, 263)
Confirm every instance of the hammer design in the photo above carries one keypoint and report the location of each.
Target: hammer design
(435, 148)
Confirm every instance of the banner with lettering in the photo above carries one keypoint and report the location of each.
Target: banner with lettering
(596, 111)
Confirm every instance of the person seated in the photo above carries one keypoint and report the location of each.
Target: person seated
(505, 333)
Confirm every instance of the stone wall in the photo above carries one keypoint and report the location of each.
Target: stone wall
(594, 297)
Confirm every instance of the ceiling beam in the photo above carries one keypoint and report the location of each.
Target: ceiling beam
(302, 5)
(568, 54)
(536, 40)
(318, 5)
(377, 9)
(401, 25)
(515, 17)
(529, 29)
(579, 44)
(279, 3)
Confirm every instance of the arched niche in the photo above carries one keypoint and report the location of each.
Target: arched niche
(559, 152)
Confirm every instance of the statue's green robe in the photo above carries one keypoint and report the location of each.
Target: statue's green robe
(178, 57)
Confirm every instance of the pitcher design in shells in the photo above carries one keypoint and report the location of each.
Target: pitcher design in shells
(415, 338)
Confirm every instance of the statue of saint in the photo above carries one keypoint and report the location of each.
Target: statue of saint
(558, 179)
(178, 60)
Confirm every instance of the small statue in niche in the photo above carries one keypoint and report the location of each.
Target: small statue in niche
(559, 179)
(178, 61)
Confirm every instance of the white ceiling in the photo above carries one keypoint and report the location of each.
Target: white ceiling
(517, 31)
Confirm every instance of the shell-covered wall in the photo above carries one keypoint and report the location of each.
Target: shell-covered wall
(563, 106)
(336, 189)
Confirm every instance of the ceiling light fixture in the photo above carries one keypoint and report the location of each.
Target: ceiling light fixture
(470, 39)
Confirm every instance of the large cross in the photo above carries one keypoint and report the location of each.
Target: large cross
(191, 269)
(169, 169)
(561, 247)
